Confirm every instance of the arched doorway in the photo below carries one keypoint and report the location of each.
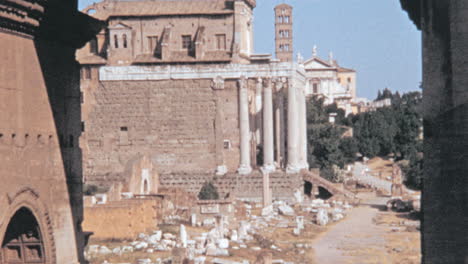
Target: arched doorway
(23, 241)
(324, 194)
(308, 189)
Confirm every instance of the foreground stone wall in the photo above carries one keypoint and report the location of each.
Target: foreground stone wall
(40, 170)
(445, 99)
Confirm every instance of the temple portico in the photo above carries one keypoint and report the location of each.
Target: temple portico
(269, 106)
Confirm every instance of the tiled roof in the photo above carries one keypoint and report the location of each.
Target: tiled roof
(341, 69)
(108, 8)
(90, 59)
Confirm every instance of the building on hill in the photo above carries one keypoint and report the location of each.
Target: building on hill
(177, 81)
(326, 78)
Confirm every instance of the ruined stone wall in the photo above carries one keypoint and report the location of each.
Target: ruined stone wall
(445, 45)
(122, 219)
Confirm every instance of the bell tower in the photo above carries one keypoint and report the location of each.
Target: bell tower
(283, 32)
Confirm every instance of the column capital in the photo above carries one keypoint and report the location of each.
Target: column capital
(242, 82)
(217, 83)
(267, 82)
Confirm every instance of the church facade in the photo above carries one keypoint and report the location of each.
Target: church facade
(332, 82)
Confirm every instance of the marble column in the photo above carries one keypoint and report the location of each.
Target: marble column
(258, 111)
(293, 130)
(303, 164)
(244, 128)
(268, 142)
(280, 124)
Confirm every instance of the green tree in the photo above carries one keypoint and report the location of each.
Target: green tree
(326, 147)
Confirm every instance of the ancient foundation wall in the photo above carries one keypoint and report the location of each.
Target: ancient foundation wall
(240, 186)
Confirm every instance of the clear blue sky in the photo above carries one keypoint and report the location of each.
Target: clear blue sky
(374, 37)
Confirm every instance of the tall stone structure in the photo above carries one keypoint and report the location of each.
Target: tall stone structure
(445, 99)
(40, 173)
(284, 32)
(178, 82)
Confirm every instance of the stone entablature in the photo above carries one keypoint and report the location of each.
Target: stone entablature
(228, 71)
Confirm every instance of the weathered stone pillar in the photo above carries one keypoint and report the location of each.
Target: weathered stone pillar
(217, 85)
(293, 131)
(244, 127)
(280, 124)
(268, 147)
(258, 109)
(303, 164)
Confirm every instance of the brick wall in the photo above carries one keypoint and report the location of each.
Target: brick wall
(171, 120)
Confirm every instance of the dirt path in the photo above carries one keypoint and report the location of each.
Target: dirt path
(356, 239)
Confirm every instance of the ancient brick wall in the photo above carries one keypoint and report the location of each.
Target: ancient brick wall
(172, 121)
(122, 219)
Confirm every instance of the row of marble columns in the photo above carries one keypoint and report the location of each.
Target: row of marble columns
(296, 129)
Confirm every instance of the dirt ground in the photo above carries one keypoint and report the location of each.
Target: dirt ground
(370, 234)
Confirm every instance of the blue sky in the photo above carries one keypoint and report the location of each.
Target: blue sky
(374, 37)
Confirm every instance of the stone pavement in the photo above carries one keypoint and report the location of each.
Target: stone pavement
(361, 173)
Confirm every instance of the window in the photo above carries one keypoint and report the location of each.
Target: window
(286, 47)
(116, 42)
(280, 19)
(281, 33)
(85, 73)
(123, 128)
(286, 19)
(315, 88)
(221, 41)
(152, 43)
(124, 37)
(186, 41)
(286, 33)
(281, 47)
(349, 80)
(227, 144)
(93, 46)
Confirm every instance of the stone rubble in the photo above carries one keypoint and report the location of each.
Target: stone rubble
(222, 237)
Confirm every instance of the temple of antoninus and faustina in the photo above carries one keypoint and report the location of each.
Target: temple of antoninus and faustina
(178, 82)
